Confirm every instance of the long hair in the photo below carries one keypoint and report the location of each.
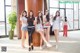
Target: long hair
(22, 14)
(30, 16)
(47, 14)
(56, 15)
(38, 20)
(48, 17)
(65, 19)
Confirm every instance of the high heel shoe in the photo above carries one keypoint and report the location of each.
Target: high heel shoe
(49, 45)
(32, 47)
(29, 48)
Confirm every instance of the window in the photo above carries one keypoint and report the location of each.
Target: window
(8, 2)
(79, 19)
(79, 5)
(8, 10)
(62, 5)
(54, 3)
(2, 19)
(62, 15)
(5, 5)
(69, 5)
(2, 10)
(2, 28)
(76, 16)
(53, 11)
(72, 10)
(76, 11)
(69, 14)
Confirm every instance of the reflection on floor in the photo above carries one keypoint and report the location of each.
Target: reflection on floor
(71, 44)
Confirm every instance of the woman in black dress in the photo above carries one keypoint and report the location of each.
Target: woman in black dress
(31, 29)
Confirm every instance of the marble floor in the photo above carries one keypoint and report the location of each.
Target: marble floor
(70, 44)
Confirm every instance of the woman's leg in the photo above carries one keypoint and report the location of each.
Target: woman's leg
(56, 32)
(42, 35)
(41, 41)
(30, 32)
(23, 38)
(45, 34)
(48, 34)
(27, 37)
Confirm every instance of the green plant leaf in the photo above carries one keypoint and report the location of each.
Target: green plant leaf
(12, 19)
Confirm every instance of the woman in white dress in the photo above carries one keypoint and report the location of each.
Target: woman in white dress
(56, 22)
(39, 29)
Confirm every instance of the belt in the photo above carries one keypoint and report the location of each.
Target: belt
(31, 26)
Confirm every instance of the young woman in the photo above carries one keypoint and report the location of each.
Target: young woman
(31, 29)
(47, 25)
(65, 27)
(56, 22)
(24, 29)
(39, 29)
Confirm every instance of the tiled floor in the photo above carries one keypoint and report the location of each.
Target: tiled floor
(71, 44)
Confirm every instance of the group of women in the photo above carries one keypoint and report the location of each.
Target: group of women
(41, 24)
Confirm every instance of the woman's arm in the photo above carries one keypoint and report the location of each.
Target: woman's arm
(35, 21)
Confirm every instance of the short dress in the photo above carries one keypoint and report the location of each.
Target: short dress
(24, 25)
(56, 24)
(39, 26)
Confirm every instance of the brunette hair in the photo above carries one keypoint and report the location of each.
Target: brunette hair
(22, 14)
(46, 11)
(56, 15)
(38, 20)
(32, 13)
(31, 16)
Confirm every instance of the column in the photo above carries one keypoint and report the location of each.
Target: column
(20, 8)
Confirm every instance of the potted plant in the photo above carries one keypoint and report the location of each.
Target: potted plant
(12, 19)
